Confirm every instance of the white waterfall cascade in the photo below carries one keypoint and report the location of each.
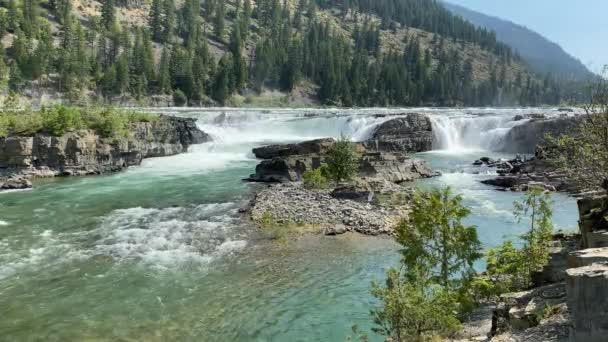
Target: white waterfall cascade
(470, 132)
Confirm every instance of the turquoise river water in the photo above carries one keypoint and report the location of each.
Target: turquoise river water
(160, 253)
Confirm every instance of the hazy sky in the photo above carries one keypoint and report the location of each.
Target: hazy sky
(579, 26)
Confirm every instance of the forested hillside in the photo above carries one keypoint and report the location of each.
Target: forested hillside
(543, 55)
(337, 52)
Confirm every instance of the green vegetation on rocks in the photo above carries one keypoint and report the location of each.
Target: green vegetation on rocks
(57, 120)
(342, 161)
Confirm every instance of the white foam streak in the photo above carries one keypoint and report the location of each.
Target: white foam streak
(170, 237)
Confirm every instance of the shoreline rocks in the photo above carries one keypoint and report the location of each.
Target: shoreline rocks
(520, 174)
(84, 152)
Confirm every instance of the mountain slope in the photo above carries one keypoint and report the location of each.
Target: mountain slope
(217, 52)
(543, 55)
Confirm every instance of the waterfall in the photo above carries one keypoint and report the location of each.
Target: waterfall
(470, 132)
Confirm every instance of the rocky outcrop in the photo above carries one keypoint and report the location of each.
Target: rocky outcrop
(86, 153)
(525, 137)
(520, 174)
(593, 220)
(288, 165)
(587, 289)
(412, 133)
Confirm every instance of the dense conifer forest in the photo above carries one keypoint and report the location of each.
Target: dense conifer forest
(348, 52)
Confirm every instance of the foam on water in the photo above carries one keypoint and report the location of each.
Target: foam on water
(4, 223)
(170, 237)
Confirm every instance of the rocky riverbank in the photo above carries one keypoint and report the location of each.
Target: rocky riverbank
(569, 300)
(84, 152)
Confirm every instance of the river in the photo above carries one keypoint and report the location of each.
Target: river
(159, 252)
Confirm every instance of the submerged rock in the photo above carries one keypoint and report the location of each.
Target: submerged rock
(412, 133)
(14, 183)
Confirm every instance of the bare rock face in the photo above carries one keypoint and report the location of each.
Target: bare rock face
(525, 137)
(412, 133)
(318, 146)
(587, 289)
(85, 152)
(593, 221)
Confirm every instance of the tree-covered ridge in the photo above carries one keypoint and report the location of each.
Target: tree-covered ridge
(205, 52)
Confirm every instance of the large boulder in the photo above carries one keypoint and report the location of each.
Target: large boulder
(14, 183)
(318, 146)
(524, 137)
(412, 133)
(394, 167)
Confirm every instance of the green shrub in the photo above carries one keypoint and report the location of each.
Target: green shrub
(27, 124)
(342, 160)
(414, 309)
(314, 179)
(57, 120)
(179, 98)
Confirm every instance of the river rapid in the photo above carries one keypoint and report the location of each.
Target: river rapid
(160, 253)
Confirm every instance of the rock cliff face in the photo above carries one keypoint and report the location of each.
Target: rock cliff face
(86, 153)
(525, 137)
(412, 133)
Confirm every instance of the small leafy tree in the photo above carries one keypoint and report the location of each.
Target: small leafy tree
(436, 240)
(536, 206)
(342, 160)
(425, 298)
(510, 267)
(414, 309)
(314, 179)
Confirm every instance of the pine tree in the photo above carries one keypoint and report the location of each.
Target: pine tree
(221, 84)
(169, 20)
(218, 23)
(239, 66)
(15, 16)
(108, 15)
(164, 74)
(155, 20)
